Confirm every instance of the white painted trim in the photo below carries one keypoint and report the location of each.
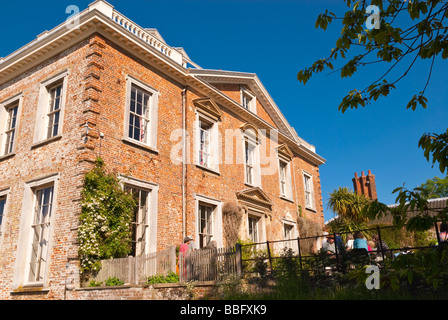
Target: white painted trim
(313, 200)
(288, 183)
(4, 193)
(18, 98)
(25, 240)
(288, 221)
(216, 218)
(256, 175)
(41, 123)
(215, 141)
(153, 112)
(253, 99)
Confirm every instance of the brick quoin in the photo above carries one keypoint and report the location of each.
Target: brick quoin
(100, 59)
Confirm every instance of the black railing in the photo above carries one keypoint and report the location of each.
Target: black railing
(266, 251)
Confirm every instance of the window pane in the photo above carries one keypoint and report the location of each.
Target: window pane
(139, 115)
(2, 208)
(41, 226)
(253, 232)
(204, 143)
(140, 226)
(205, 225)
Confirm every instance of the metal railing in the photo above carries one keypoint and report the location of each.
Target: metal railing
(269, 251)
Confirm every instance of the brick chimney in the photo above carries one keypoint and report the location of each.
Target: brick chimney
(365, 185)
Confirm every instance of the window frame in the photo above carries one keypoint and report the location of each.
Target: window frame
(249, 158)
(45, 112)
(13, 102)
(202, 116)
(4, 194)
(52, 111)
(41, 227)
(310, 191)
(22, 271)
(251, 139)
(140, 223)
(253, 236)
(287, 193)
(290, 243)
(152, 207)
(248, 100)
(152, 121)
(208, 143)
(216, 218)
(208, 210)
(260, 217)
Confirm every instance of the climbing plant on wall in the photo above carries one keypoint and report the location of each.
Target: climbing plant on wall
(106, 218)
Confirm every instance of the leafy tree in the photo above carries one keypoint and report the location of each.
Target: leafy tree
(435, 188)
(349, 207)
(407, 31)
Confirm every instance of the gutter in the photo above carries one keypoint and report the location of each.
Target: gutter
(184, 160)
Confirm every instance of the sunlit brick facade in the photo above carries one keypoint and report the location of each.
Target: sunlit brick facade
(112, 89)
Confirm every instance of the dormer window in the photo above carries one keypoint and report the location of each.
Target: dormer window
(248, 100)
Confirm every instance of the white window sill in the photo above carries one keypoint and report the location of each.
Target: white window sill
(31, 288)
(139, 144)
(311, 209)
(7, 156)
(46, 141)
(208, 169)
(287, 199)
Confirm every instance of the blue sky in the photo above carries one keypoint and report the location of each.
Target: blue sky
(275, 40)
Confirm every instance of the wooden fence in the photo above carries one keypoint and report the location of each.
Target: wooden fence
(199, 265)
(209, 264)
(136, 270)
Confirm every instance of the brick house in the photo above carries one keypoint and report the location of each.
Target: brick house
(103, 86)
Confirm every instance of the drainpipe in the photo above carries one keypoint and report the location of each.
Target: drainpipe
(184, 160)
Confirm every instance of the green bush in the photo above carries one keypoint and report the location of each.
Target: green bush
(114, 281)
(171, 277)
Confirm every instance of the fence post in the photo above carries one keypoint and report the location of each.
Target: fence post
(437, 232)
(336, 251)
(269, 255)
(239, 259)
(300, 253)
(131, 264)
(380, 242)
(172, 259)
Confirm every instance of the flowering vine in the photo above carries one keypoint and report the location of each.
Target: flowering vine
(105, 220)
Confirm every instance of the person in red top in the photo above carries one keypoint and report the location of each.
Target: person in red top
(184, 247)
(183, 250)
